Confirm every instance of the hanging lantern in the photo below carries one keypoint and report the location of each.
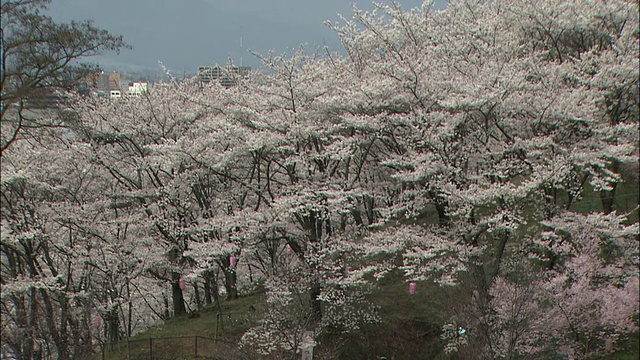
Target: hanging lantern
(182, 284)
(413, 287)
(232, 261)
(97, 321)
(289, 249)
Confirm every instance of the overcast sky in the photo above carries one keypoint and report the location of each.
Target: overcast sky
(184, 34)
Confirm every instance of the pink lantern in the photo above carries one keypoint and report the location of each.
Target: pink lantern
(182, 283)
(97, 321)
(289, 249)
(232, 261)
(413, 287)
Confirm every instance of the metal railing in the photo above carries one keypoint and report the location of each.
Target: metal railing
(171, 348)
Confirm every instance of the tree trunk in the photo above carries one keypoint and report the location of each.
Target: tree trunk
(441, 207)
(207, 288)
(369, 204)
(482, 298)
(607, 196)
(196, 290)
(230, 283)
(357, 216)
(63, 347)
(177, 296)
(215, 293)
(113, 325)
(497, 262)
(25, 349)
(129, 309)
(229, 278)
(51, 325)
(316, 304)
(167, 314)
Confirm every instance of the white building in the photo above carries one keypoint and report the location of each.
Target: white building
(228, 76)
(137, 88)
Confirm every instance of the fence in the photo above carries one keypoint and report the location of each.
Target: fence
(172, 348)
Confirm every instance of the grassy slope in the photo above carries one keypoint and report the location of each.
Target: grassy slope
(410, 329)
(175, 339)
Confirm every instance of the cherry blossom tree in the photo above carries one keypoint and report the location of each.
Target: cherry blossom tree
(498, 129)
(459, 146)
(123, 137)
(56, 270)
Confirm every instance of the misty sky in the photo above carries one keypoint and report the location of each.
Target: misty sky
(186, 33)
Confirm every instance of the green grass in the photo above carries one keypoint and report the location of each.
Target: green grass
(203, 323)
(626, 200)
(630, 349)
(409, 329)
(176, 338)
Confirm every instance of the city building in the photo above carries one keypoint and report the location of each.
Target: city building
(109, 81)
(227, 75)
(137, 88)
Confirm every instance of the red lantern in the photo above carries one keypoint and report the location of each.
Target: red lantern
(182, 283)
(413, 287)
(232, 261)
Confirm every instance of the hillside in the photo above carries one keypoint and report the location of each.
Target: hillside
(408, 330)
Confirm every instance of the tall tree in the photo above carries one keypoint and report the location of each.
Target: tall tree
(38, 57)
